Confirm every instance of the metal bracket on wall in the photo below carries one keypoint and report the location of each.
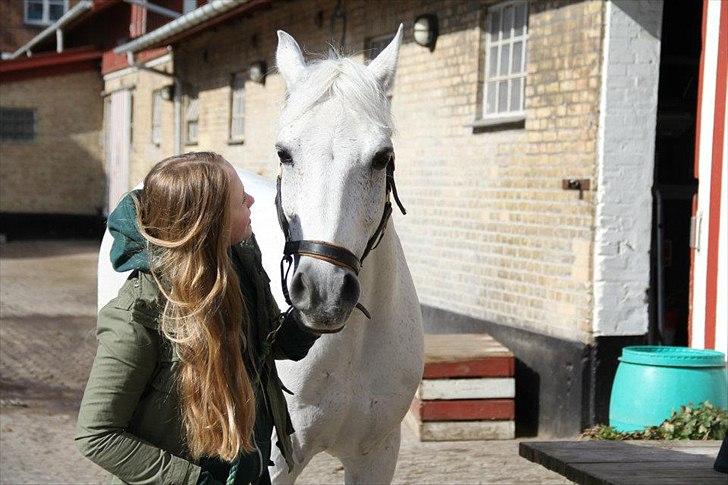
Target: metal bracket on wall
(576, 184)
(695, 226)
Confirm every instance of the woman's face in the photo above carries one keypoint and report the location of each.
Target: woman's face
(240, 204)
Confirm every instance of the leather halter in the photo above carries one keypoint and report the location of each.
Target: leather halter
(331, 253)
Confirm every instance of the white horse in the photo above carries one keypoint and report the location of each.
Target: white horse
(353, 389)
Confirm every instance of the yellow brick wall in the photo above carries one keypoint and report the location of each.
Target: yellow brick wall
(61, 171)
(490, 233)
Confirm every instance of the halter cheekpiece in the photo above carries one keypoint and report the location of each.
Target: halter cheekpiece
(331, 253)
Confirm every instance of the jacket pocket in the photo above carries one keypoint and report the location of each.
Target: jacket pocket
(164, 383)
(157, 418)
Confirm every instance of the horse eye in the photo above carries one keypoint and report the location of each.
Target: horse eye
(285, 157)
(382, 158)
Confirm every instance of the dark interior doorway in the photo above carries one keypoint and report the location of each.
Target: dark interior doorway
(674, 177)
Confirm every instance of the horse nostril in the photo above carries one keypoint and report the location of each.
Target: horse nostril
(298, 285)
(350, 288)
(301, 291)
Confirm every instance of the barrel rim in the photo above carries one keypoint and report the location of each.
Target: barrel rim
(668, 356)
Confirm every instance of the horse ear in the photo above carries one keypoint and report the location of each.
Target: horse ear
(384, 65)
(289, 59)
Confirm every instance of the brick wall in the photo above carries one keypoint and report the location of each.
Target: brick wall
(14, 33)
(490, 233)
(61, 170)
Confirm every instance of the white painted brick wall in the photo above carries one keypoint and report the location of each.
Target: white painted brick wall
(628, 110)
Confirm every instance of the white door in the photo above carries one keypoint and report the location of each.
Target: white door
(709, 312)
(118, 146)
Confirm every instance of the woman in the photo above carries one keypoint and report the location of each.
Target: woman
(183, 389)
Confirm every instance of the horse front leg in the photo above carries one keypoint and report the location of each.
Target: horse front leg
(279, 474)
(376, 466)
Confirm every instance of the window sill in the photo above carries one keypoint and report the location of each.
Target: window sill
(36, 23)
(505, 122)
(236, 141)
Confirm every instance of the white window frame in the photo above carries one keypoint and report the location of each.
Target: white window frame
(46, 12)
(188, 6)
(236, 131)
(499, 44)
(157, 100)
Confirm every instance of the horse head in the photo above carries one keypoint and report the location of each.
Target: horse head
(336, 162)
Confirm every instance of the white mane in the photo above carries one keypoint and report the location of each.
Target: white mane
(340, 78)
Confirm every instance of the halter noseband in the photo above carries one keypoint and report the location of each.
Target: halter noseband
(331, 253)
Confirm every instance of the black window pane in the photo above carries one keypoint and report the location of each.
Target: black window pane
(17, 124)
(376, 45)
(34, 10)
(55, 12)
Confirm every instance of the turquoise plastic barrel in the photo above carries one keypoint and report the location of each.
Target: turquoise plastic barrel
(651, 382)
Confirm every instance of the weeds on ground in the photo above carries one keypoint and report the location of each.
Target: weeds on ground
(702, 422)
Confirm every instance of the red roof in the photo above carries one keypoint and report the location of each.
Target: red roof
(50, 63)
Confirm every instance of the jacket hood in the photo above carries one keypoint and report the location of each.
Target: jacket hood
(129, 249)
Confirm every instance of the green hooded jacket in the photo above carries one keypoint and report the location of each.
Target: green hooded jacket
(129, 421)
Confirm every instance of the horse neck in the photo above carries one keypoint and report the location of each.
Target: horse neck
(380, 269)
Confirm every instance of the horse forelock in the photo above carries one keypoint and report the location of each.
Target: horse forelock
(345, 80)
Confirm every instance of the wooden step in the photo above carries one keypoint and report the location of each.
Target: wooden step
(473, 388)
(466, 355)
(464, 410)
(461, 430)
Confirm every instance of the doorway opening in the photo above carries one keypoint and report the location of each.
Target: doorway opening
(674, 176)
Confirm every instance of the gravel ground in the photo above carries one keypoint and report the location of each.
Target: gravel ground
(47, 343)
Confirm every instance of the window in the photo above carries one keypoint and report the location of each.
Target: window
(44, 12)
(188, 6)
(506, 57)
(157, 117)
(192, 116)
(17, 124)
(237, 108)
(374, 46)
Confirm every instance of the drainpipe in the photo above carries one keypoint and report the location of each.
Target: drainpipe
(177, 97)
(177, 116)
(59, 40)
(155, 8)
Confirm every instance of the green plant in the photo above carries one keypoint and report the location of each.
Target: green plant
(702, 422)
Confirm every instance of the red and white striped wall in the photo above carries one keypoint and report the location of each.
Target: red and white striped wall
(709, 288)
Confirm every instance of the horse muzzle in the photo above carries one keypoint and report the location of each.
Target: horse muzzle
(309, 294)
(324, 294)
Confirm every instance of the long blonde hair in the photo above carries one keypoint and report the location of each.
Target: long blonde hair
(184, 214)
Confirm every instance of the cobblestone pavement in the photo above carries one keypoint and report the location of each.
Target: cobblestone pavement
(47, 343)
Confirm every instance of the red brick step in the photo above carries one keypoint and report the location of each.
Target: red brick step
(487, 367)
(464, 410)
(466, 355)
